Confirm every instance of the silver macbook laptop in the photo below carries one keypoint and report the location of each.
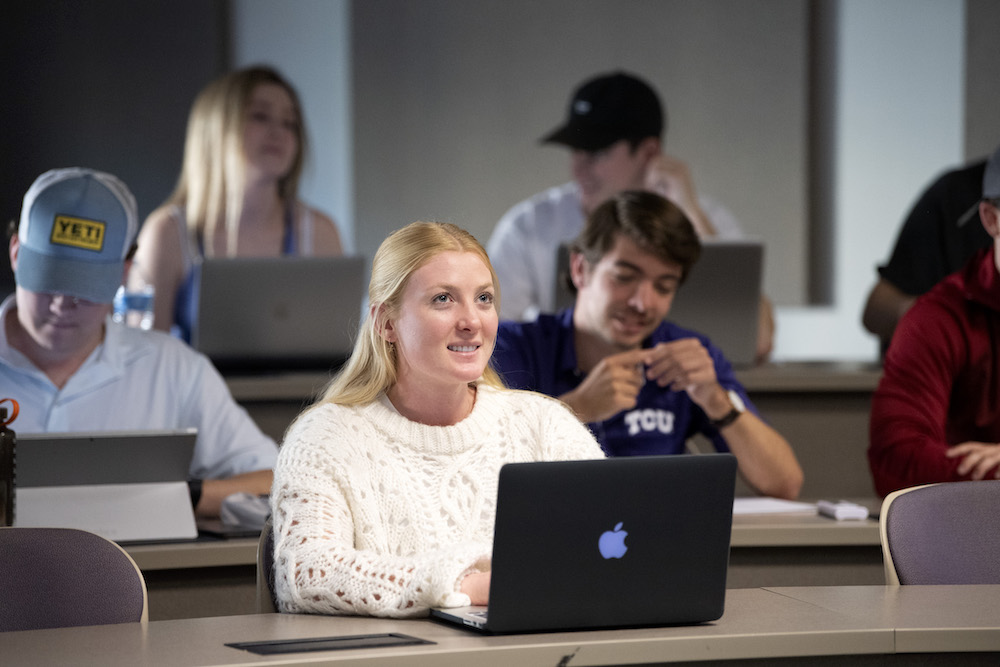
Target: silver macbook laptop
(720, 298)
(620, 542)
(258, 313)
(126, 486)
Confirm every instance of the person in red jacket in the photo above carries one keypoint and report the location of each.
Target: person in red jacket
(936, 413)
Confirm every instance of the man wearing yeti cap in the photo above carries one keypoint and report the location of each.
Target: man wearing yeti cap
(934, 416)
(66, 245)
(613, 129)
(71, 369)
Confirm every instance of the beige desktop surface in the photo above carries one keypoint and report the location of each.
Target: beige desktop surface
(926, 618)
(800, 530)
(799, 376)
(752, 530)
(757, 623)
(194, 554)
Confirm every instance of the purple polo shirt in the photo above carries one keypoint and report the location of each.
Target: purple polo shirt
(541, 356)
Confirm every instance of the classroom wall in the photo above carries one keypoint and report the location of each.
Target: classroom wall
(451, 97)
(103, 84)
(897, 120)
(315, 56)
(433, 109)
(982, 74)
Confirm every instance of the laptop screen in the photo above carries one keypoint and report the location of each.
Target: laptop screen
(278, 313)
(631, 541)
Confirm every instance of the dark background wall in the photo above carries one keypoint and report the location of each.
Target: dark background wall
(105, 84)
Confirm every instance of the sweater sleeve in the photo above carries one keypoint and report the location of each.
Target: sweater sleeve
(317, 567)
(907, 434)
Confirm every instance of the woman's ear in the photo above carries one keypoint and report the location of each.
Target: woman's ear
(383, 325)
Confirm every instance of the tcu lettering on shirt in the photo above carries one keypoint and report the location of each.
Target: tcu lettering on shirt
(649, 420)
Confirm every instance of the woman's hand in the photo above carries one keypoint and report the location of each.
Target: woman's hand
(477, 587)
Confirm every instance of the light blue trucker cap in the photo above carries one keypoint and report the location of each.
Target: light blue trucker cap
(76, 228)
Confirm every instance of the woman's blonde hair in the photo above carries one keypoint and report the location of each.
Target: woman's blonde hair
(372, 366)
(213, 175)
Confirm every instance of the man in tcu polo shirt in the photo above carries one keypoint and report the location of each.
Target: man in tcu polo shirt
(643, 384)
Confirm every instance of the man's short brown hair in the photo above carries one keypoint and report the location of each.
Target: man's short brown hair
(653, 223)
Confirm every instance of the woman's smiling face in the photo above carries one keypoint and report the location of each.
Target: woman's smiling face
(446, 324)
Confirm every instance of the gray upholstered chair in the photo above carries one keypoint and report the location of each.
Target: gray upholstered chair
(62, 577)
(266, 602)
(942, 534)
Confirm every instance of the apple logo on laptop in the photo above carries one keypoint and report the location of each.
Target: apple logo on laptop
(612, 542)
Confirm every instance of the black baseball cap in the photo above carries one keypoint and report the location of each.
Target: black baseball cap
(609, 108)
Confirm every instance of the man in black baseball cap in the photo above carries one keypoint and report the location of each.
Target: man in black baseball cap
(614, 129)
(934, 415)
(608, 108)
(940, 233)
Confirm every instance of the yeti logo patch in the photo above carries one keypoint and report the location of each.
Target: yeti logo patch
(78, 233)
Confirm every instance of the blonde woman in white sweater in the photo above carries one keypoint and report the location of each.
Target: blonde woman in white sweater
(385, 491)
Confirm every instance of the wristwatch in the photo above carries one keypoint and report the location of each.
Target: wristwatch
(738, 408)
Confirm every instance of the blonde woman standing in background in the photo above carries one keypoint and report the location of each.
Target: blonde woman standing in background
(237, 195)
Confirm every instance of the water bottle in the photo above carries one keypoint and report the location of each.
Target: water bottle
(8, 443)
(133, 303)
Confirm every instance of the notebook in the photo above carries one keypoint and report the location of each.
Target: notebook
(128, 486)
(720, 297)
(278, 312)
(620, 542)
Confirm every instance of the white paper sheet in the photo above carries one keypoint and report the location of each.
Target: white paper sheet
(771, 506)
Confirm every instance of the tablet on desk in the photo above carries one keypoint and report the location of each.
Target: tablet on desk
(127, 486)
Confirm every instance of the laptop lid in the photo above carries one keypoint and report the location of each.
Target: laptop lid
(127, 486)
(620, 542)
(278, 312)
(720, 298)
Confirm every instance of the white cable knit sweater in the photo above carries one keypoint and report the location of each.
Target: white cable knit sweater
(375, 514)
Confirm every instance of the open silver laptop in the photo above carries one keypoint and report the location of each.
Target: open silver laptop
(621, 542)
(278, 312)
(720, 298)
(128, 486)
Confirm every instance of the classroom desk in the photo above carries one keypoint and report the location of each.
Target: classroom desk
(822, 408)
(208, 577)
(218, 577)
(274, 400)
(805, 550)
(789, 626)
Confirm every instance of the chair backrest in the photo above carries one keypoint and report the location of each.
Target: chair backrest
(266, 602)
(62, 577)
(945, 533)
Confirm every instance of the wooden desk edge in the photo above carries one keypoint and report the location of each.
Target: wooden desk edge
(185, 555)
